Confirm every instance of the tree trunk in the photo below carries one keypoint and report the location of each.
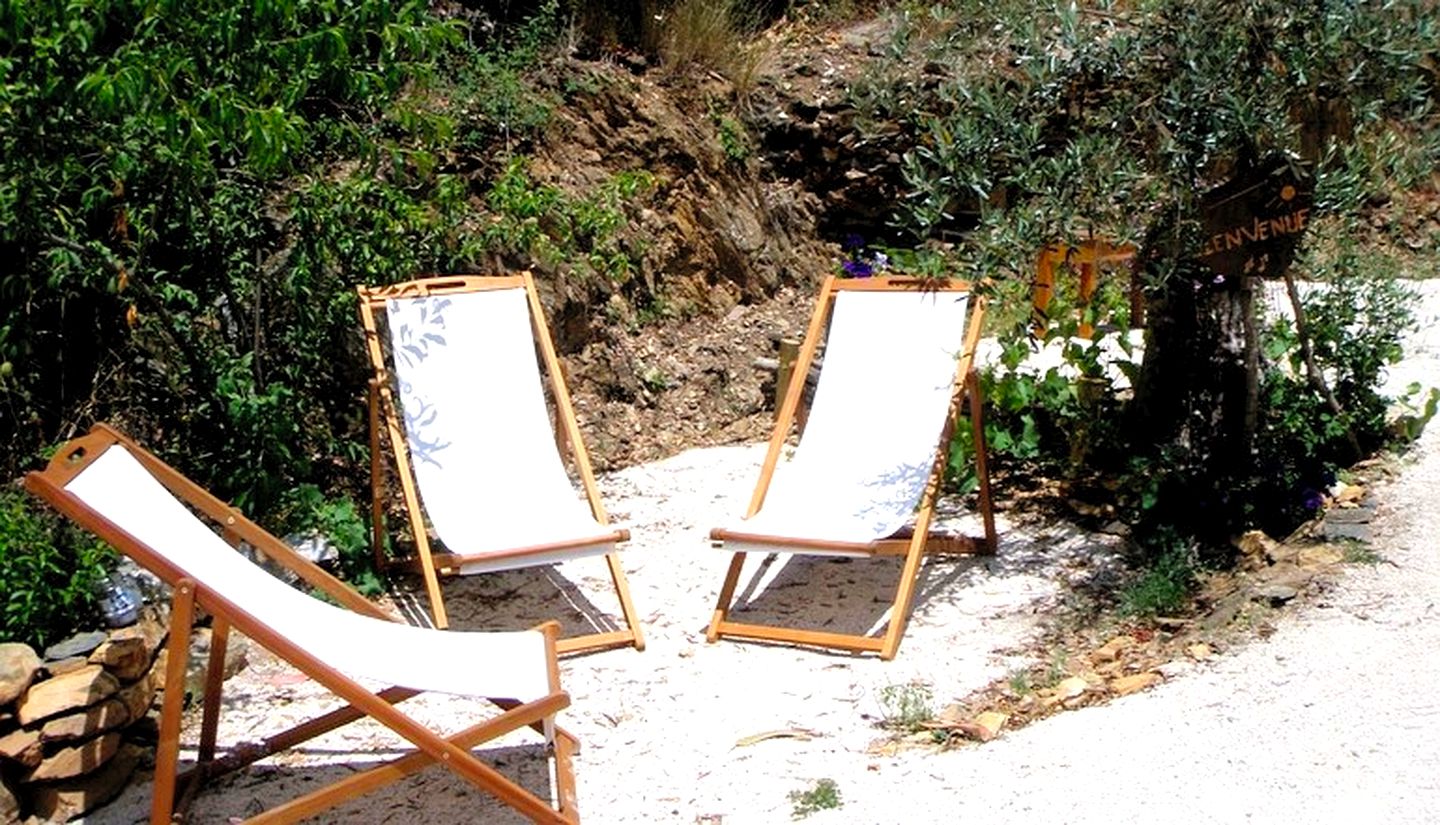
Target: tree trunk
(1196, 399)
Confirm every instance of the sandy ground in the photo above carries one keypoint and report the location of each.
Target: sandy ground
(1333, 719)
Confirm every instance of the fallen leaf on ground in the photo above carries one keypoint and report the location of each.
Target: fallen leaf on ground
(784, 733)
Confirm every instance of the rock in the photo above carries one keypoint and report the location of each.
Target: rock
(18, 666)
(1258, 548)
(990, 723)
(151, 627)
(60, 801)
(64, 666)
(138, 698)
(98, 718)
(22, 746)
(125, 657)
(1349, 515)
(1116, 528)
(1200, 652)
(1222, 615)
(78, 645)
(236, 655)
(157, 669)
(1341, 530)
(1127, 685)
(78, 689)
(1321, 555)
(9, 804)
(1276, 594)
(1071, 688)
(1112, 649)
(1175, 669)
(74, 761)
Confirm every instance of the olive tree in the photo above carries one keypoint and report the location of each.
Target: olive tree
(1053, 122)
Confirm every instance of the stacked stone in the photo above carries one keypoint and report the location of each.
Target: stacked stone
(75, 724)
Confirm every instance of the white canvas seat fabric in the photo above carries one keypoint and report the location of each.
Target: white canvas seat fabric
(500, 665)
(481, 446)
(870, 440)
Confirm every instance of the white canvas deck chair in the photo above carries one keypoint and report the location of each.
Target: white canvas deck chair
(476, 455)
(179, 532)
(864, 477)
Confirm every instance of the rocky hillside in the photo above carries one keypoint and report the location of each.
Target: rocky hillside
(756, 190)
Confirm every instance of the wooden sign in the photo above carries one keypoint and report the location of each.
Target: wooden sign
(1253, 224)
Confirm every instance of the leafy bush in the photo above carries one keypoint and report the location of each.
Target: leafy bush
(308, 512)
(189, 193)
(906, 706)
(582, 234)
(48, 573)
(1164, 585)
(1356, 319)
(824, 795)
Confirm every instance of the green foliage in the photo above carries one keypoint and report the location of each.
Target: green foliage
(1061, 417)
(308, 512)
(1358, 552)
(493, 97)
(1356, 319)
(1163, 587)
(48, 573)
(189, 193)
(1102, 117)
(734, 140)
(824, 795)
(141, 212)
(1045, 123)
(583, 234)
(906, 706)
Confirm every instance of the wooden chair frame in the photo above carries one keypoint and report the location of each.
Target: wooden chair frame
(914, 546)
(175, 790)
(1087, 258)
(385, 415)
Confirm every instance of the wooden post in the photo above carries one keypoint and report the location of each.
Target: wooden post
(789, 351)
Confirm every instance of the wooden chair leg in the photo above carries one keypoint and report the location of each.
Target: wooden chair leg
(177, 656)
(904, 594)
(727, 592)
(627, 605)
(982, 469)
(377, 481)
(214, 685)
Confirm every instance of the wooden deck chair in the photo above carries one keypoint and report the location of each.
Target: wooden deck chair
(179, 532)
(898, 362)
(476, 453)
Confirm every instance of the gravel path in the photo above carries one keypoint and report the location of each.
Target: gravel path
(1333, 719)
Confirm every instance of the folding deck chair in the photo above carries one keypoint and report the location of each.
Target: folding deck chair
(476, 453)
(179, 532)
(864, 477)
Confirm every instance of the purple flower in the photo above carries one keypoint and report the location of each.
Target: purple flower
(857, 269)
(1311, 499)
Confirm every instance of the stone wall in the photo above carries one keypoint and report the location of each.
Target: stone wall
(76, 721)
